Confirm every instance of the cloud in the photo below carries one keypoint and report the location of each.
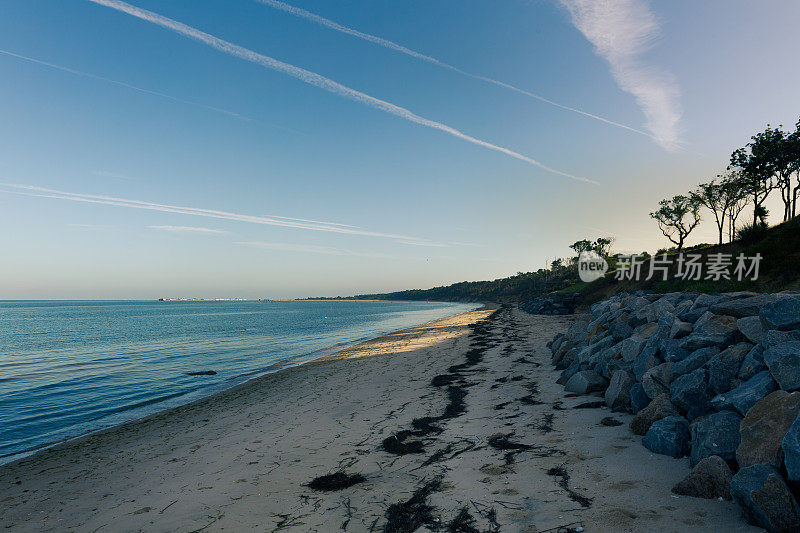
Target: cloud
(307, 15)
(190, 229)
(122, 84)
(621, 32)
(285, 222)
(316, 80)
(311, 249)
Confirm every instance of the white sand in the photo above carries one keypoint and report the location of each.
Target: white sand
(239, 461)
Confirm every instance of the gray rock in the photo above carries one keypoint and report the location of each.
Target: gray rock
(723, 367)
(746, 395)
(656, 380)
(680, 329)
(764, 428)
(751, 328)
(706, 300)
(773, 337)
(712, 330)
(753, 363)
(791, 452)
(646, 360)
(618, 393)
(658, 309)
(692, 393)
(743, 307)
(639, 399)
(710, 478)
(621, 331)
(765, 499)
(657, 409)
(716, 434)
(586, 381)
(670, 350)
(632, 347)
(783, 361)
(782, 314)
(668, 436)
(695, 360)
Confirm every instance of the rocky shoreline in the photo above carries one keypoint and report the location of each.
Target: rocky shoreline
(715, 377)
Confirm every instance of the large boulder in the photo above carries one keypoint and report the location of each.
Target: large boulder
(765, 498)
(695, 360)
(639, 398)
(712, 330)
(783, 361)
(752, 328)
(764, 427)
(715, 434)
(586, 381)
(773, 337)
(656, 380)
(791, 452)
(710, 478)
(782, 314)
(632, 347)
(670, 350)
(660, 407)
(753, 363)
(658, 309)
(646, 360)
(743, 307)
(723, 367)
(746, 395)
(618, 393)
(692, 393)
(680, 329)
(668, 436)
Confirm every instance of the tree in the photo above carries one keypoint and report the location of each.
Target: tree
(712, 195)
(793, 149)
(736, 198)
(757, 165)
(677, 217)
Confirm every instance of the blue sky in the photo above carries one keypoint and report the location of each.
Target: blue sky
(402, 205)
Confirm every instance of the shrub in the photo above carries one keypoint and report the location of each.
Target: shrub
(752, 233)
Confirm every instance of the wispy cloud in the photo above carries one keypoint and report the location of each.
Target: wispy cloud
(316, 80)
(190, 229)
(621, 31)
(310, 249)
(285, 222)
(313, 17)
(123, 84)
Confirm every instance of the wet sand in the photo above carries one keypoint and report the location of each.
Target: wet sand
(453, 423)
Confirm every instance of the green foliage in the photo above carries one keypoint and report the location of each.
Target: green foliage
(752, 233)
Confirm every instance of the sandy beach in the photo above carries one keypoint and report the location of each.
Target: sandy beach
(451, 423)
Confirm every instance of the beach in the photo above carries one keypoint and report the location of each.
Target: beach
(454, 422)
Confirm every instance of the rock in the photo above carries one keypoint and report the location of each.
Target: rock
(715, 434)
(567, 373)
(782, 314)
(621, 331)
(753, 363)
(765, 499)
(723, 367)
(202, 373)
(668, 436)
(712, 330)
(671, 352)
(695, 360)
(706, 300)
(658, 309)
(632, 347)
(791, 452)
(586, 381)
(743, 307)
(692, 393)
(783, 361)
(639, 399)
(746, 395)
(710, 478)
(773, 337)
(751, 328)
(764, 427)
(659, 408)
(646, 360)
(618, 393)
(680, 329)
(656, 380)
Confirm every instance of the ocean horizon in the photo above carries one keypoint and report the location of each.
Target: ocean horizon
(73, 367)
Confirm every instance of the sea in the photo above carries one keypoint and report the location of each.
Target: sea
(69, 368)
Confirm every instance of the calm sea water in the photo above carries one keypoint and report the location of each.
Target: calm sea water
(70, 368)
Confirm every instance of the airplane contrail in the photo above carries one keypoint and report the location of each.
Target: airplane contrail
(322, 21)
(123, 84)
(316, 80)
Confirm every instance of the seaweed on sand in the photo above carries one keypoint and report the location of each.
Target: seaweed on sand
(335, 481)
(463, 523)
(410, 515)
(398, 444)
(502, 441)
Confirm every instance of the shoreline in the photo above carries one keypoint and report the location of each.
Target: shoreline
(292, 362)
(457, 419)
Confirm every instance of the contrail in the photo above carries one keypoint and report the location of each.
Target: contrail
(302, 13)
(123, 84)
(286, 222)
(315, 79)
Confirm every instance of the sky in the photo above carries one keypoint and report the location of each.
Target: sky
(267, 149)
